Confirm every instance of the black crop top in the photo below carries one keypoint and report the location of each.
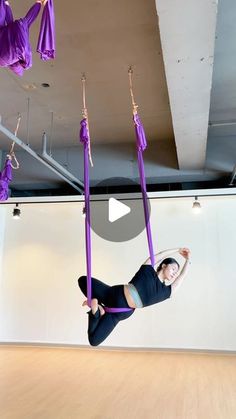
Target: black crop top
(151, 290)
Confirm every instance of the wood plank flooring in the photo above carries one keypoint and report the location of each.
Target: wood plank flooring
(68, 383)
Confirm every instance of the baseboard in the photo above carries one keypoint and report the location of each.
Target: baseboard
(198, 351)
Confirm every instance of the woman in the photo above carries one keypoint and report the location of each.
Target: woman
(147, 287)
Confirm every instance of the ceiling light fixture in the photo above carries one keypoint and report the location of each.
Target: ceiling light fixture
(29, 86)
(196, 206)
(16, 212)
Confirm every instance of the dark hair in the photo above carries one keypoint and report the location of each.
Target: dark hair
(167, 261)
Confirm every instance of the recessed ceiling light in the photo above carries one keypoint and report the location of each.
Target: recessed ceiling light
(45, 85)
(29, 86)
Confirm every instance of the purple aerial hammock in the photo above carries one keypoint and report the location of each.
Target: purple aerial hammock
(15, 48)
(85, 140)
(6, 173)
(141, 145)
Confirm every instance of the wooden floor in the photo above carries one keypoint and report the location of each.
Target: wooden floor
(58, 383)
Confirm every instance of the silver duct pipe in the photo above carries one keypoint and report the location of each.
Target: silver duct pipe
(222, 123)
(29, 150)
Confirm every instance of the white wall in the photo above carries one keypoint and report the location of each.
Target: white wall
(44, 254)
(2, 232)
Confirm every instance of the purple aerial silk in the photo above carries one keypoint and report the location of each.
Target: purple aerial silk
(15, 49)
(5, 178)
(85, 140)
(141, 144)
(5, 14)
(46, 41)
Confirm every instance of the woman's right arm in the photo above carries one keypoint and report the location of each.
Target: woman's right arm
(178, 281)
(161, 256)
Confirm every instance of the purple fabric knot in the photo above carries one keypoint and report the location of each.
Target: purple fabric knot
(140, 134)
(84, 132)
(5, 178)
(46, 40)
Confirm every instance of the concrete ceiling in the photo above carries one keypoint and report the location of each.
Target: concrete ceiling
(170, 44)
(101, 39)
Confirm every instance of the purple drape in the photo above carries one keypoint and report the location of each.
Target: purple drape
(15, 49)
(85, 140)
(46, 40)
(5, 14)
(5, 178)
(141, 145)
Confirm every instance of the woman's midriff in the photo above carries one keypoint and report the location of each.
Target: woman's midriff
(129, 298)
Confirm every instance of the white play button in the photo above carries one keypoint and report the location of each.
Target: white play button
(121, 219)
(117, 210)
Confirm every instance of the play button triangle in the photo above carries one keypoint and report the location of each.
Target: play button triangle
(117, 210)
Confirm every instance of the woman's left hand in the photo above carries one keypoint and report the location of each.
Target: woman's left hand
(185, 252)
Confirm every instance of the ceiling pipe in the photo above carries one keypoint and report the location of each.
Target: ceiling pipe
(55, 164)
(29, 150)
(222, 123)
(233, 176)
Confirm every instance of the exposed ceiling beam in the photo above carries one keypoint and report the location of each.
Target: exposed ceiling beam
(187, 30)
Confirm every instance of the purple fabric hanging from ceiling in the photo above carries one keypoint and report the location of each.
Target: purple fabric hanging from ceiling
(140, 134)
(3, 7)
(141, 145)
(85, 140)
(5, 178)
(46, 41)
(5, 14)
(15, 49)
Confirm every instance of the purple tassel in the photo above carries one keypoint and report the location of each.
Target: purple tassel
(46, 40)
(140, 134)
(5, 178)
(84, 133)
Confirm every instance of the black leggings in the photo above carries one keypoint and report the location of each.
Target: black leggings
(99, 327)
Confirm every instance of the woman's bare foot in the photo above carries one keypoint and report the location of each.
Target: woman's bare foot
(95, 306)
(101, 309)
